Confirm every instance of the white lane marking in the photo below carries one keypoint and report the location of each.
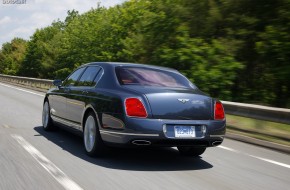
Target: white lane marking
(257, 157)
(6, 126)
(271, 161)
(21, 89)
(229, 149)
(59, 175)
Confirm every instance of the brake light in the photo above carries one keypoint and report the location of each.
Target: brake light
(219, 113)
(135, 108)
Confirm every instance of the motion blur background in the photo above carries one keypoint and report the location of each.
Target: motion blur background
(237, 50)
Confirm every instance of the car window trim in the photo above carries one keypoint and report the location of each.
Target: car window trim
(101, 70)
(85, 68)
(97, 75)
(93, 78)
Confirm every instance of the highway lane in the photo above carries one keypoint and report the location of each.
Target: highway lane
(31, 158)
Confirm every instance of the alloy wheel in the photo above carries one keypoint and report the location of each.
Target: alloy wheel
(90, 133)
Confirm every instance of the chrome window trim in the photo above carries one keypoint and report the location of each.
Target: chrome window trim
(131, 134)
(66, 122)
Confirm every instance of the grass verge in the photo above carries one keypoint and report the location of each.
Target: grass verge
(264, 130)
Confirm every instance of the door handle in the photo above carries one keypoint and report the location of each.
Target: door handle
(85, 92)
(66, 90)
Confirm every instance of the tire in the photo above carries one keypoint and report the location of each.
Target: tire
(93, 143)
(191, 151)
(47, 122)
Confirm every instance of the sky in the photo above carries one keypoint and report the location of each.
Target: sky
(21, 20)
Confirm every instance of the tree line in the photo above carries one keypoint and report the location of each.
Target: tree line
(237, 50)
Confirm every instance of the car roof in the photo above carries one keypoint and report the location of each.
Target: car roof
(116, 64)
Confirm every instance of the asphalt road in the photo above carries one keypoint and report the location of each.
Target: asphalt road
(31, 158)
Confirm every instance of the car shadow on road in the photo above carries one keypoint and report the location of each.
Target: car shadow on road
(137, 159)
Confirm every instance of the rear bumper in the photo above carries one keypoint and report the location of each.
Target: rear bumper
(156, 132)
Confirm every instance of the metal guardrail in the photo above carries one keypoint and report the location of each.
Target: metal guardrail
(42, 84)
(266, 113)
(279, 115)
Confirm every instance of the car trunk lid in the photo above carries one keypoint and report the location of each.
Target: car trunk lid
(177, 103)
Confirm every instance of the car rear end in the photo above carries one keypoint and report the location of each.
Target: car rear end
(165, 130)
(163, 108)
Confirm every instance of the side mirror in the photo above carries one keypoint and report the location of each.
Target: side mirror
(57, 83)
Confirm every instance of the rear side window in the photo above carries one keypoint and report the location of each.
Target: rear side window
(87, 79)
(151, 77)
(98, 77)
(72, 79)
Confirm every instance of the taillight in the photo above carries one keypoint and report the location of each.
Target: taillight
(135, 108)
(219, 113)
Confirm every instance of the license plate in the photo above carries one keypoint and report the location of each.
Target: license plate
(184, 131)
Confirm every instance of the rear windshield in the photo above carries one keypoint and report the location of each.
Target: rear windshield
(151, 77)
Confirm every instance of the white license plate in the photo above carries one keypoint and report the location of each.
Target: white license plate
(184, 131)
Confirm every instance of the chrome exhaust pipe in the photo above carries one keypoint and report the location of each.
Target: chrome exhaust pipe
(141, 142)
(216, 143)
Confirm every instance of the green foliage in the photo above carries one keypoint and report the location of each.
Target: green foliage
(41, 53)
(274, 52)
(209, 64)
(62, 73)
(234, 50)
(12, 56)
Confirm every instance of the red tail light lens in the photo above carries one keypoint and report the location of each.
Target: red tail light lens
(219, 113)
(135, 108)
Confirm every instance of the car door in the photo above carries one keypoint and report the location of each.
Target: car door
(57, 102)
(79, 95)
(60, 105)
